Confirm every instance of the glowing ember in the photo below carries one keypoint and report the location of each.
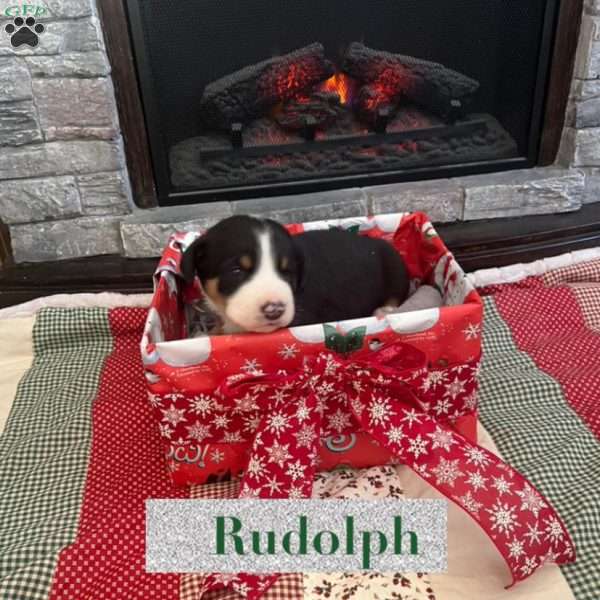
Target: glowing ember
(342, 85)
(409, 146)
(377, 96)
(273, 161)
(288, 81)
(368, 152)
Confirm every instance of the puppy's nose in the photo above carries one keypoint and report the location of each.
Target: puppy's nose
(273, 310)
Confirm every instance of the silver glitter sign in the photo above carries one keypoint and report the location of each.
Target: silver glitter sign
(279, 536)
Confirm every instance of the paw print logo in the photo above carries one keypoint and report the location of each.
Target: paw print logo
(24, 31)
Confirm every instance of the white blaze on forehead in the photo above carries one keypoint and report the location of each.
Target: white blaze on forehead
(264, 286)
(266, 257)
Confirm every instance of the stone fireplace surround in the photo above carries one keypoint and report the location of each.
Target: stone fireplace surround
(64, 186)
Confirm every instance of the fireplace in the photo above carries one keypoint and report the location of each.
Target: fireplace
(268, 97)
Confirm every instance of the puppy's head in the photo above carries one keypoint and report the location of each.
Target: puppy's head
(249, 270)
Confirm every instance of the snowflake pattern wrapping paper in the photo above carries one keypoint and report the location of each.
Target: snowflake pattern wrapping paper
(398, 389)
(183, 374)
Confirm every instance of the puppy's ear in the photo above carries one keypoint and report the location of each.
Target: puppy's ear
(192, 257)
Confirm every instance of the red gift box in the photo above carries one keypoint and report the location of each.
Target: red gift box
(205, 440)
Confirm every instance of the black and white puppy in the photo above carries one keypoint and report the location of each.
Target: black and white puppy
(257, 277)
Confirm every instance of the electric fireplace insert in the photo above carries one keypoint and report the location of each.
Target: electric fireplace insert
(263, 97)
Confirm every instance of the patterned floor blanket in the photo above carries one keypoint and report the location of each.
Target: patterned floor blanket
(79, 454)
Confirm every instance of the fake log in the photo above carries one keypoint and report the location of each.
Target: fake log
(252, 91)
(427, 84)
(372, 99)
(323, 107)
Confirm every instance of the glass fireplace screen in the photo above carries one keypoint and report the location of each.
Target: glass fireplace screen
(251, 97)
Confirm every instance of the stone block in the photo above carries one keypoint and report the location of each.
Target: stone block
(303, 208)
(89, 112)
(49, 42)
(592, 185)
(520, 193)
(15, 81)
(75, 64)
(442, 200)
(104, 194)
(584, 89)
(584, 107)
(592, 7)
(59, 158)
(18, 123)
(587, 62)
(67, 9)
(72, 238)
(145, 233)
(587, 113)
(83, 35)
(585, 147)
(31, 200)
(59, 37)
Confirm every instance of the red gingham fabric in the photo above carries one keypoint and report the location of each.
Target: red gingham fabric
(588, 296)
(586, 271)
(107, 560)
(540, 332)
(288, 586)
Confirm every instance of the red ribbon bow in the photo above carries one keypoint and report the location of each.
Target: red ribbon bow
(408, 409)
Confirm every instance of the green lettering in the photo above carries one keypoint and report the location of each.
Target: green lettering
(270, 542)
(398, 534)
(318, 543)
(350, 535)
(286, 540)
(221, 533)
(366, 547)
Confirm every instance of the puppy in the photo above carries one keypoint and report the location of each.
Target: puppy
(258, 278)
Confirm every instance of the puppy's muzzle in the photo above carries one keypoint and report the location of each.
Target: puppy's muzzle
(273, 310)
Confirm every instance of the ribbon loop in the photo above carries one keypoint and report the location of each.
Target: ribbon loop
(408, 409)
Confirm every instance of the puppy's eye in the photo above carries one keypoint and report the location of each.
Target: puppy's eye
(246, 263)
(236, 270)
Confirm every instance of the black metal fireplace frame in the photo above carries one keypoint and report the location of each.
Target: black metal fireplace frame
(159, 157)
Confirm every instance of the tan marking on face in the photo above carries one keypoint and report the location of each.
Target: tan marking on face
(211, 289)
(246, 262)
(284, 263)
